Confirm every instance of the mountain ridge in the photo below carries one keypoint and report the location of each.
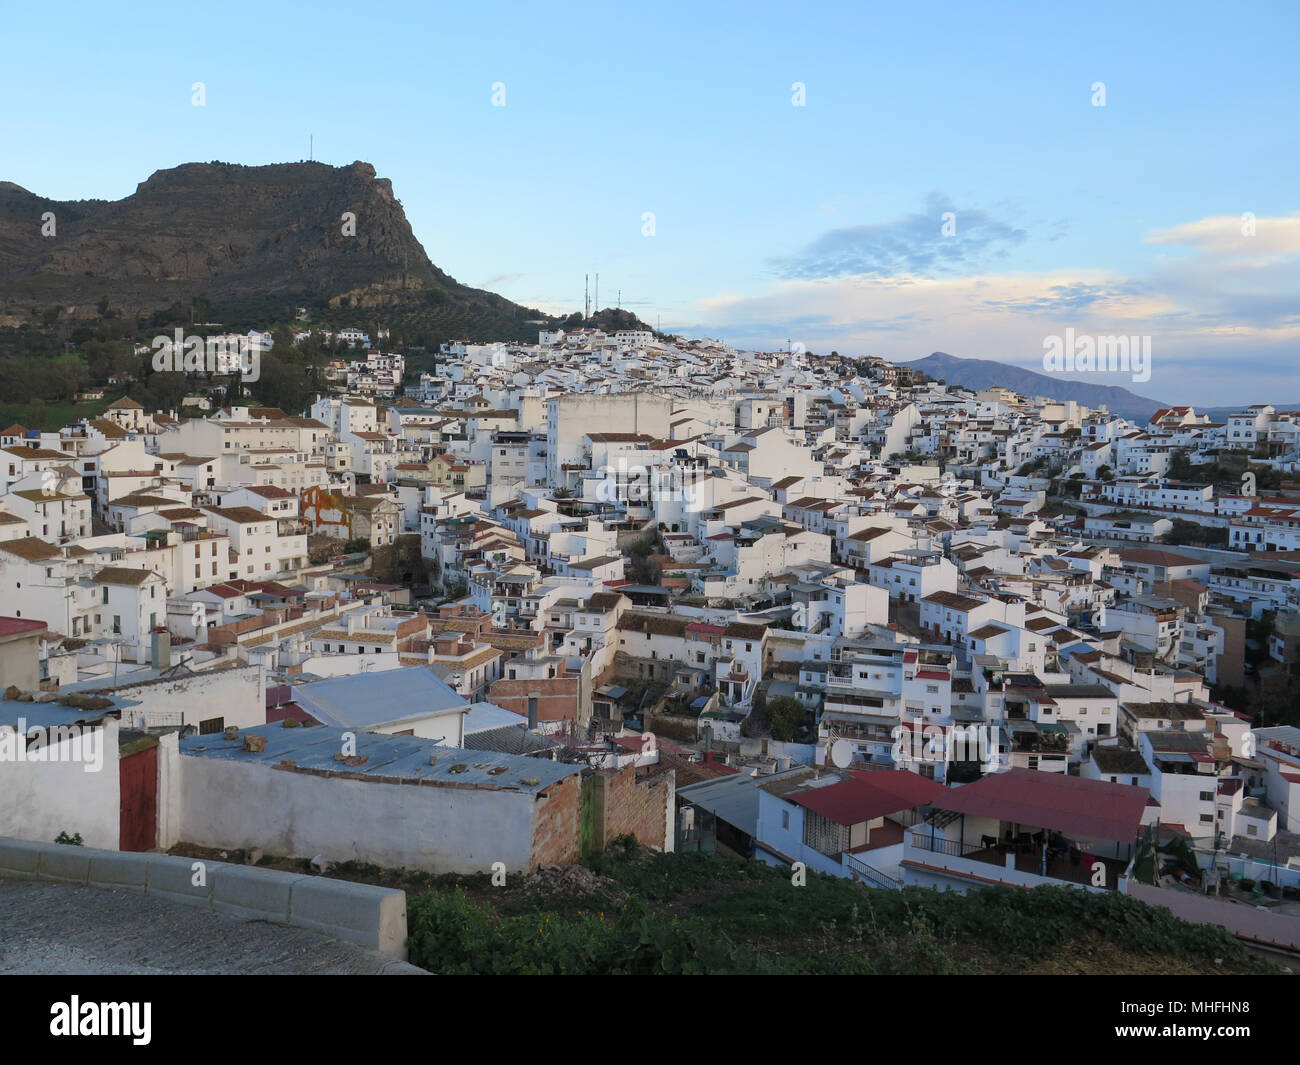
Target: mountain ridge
(253, 242)
(986, 373)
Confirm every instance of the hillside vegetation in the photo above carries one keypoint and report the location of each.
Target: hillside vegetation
(635, 911)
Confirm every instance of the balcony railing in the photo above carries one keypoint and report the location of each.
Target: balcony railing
(939, 845)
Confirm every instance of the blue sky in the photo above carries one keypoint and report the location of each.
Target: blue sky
(820, 223)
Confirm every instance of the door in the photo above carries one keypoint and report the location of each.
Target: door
(139, 800)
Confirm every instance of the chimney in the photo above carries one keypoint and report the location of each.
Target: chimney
(161, 657)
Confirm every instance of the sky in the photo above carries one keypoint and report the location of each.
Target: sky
(874, 179)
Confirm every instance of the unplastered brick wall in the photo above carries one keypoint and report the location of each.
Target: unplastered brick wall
(557, 698)
(639, 807)
(555, 823)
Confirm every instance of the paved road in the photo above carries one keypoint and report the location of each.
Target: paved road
(64, 929)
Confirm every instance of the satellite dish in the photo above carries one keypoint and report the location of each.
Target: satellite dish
(841, 754)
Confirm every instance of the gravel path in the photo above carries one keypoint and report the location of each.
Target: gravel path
(65, 929)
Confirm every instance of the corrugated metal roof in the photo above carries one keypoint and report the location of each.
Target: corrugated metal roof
(864, 796)
(1090, 809)
(405, 758)
(732, 798)
(364, 700)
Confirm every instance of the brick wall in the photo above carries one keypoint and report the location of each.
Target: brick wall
(555, 823)
(626, 804)
(557, 698)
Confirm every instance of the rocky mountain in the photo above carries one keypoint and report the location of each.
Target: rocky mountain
(985, 373)
(248, 241)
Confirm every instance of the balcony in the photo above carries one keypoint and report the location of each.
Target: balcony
(1025, 858)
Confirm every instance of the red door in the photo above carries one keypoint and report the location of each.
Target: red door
(139, 784)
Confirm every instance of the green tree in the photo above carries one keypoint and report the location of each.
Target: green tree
(786, 716)
(35, 414)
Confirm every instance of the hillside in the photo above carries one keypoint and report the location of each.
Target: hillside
(633, 910)
(252, 243)
(985, 373)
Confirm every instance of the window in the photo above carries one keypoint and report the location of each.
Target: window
(785, 818)
(1207, 796)
(211, 725)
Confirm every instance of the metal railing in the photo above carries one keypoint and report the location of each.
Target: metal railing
(870, 873)
(938, 845)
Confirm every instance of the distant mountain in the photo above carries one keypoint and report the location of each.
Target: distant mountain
(252, 243)
(980, 374)
(1220, 414)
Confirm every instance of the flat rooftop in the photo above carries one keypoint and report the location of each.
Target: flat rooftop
(391, 759)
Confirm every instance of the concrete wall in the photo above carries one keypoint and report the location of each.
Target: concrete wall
(19, 663)
(237, 694)
(1245, 922)
(439, 829)
(373, 917)
(169, 789)
(38, 800)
